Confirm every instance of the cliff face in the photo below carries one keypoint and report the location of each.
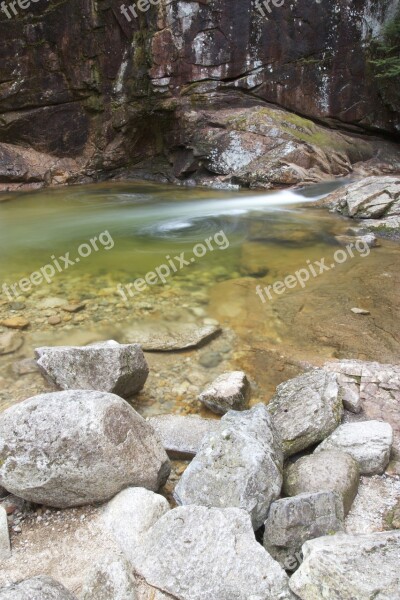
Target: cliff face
(83, 91)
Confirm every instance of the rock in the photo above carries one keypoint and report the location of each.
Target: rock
(358, 567)
(10, 341)
(54, 320)
(107, 367)
(360, 311)
(41, 587)
(181, 435)
(77, 447)
(239, 465)
(25, 366)
(229, 391)
(331, 470)
(110, 579)
(163, 337)
(349, 391)
(73, 308)
(368, 442)
(5, 547)
(374, 506)
(198, 553)
(293, 521)
(15, 323)
(138, 507)
(306, 409)
(210, 360)
(51, 302)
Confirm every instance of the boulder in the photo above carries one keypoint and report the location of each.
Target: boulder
(331, 470)
(306, 409)
(77, 447)
(229, 391)
(110, 579)
(108, 367)
(10, 341)
(182, 435)
(5, 547)
(239, 465)
(368, 442)
(348, 567)
(41, 587)
(293, 521)
(199, 553)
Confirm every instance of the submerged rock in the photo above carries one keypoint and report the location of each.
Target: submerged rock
(10, 341)
(239, 465)
(107, 367)
(230, 391)
(77, 447)
(41, 587)
(306, 409)
(161, 337)
(182, 436)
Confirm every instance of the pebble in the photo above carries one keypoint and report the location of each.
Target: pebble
(209, 360)
(15, 323)
(54, 320)
(73, 308)
(360, 311)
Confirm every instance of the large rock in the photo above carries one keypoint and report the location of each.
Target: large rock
(331, 470)
(198, 553)
(77, 447)
(5, 548)
(37, 588)
(368, 442)
(107, 367)
(347, 567)
(293, 521)
(229, 391)
(239, 465)
(110, 579)
(306, 409)
(182, 435)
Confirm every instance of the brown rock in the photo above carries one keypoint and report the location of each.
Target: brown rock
(10, 341)
(15, 323)
(74, 308)
(54, 320)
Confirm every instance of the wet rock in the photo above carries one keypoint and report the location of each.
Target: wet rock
(15, 323)
(350, 567)
(229, 391)
(74, 308)
(306, 409)
(51, 302)
(10, 341)
(239, 465)
(181, 435)
(41, 587)
(331, 470)
(194, 552)
(25, 366)
(54, 320)
(293, 521)
(107, 367)
(210, 360)
(77, 447)
(110, 578)
(163, 337)
(5, 547)
(368, 442)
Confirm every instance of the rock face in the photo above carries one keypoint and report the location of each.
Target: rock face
(77, 447)
(369, 443)
(196, 553)
(111, 577)
(37, 588)
(293, 521)
(350, 568)
(306, 409)
(182, 436)
(230, 391)
(107, 367)
(331, 470)
(240, 465)
(5, 548)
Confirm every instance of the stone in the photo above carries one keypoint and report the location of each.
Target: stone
(25, 366)
(73, 308)
(51, 302)
(106, 366)
(350, 393)
(41, 587)
(54, 320)
(181, 435)
(110, 579)
(368, 442)
(348, 567)
(198, 553)
(210, 360)
(360, 311)
(306, 409)
(5, 547)
(77, 447)
(10, 342)
(239, 465)
(331, 470)
(15, 323)
(293, 521)
(163, 337)
(229, 391)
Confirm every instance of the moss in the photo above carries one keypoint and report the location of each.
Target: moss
(386, 52)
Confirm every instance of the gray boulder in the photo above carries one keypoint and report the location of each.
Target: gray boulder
(239, 465)
(5, 548)
(77, 447)
(110, 579)
(331, 470)
(368, 442)
(36, 588)
(306, 409)
(199, 553)
(229, 391)
(293, 521)
(347, 567)
(182, 435)
(107, 367)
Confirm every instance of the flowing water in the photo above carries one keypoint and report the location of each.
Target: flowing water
(139, 253)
